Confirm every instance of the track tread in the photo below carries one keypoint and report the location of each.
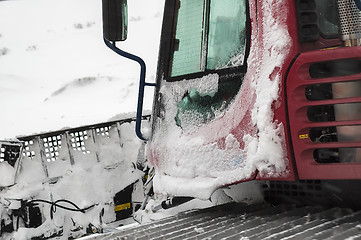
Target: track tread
(263, 221)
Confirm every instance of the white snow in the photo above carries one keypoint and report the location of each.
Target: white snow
(7, 174)
(55, 70)
(148, 214)
(85, 183)
(266, 151)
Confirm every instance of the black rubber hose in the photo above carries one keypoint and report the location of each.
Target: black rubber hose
(55, 204)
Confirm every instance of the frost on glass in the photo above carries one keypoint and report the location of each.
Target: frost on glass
(227, 33)
(209, 35)
(188, 103)
(196, 109)
(189, 33)
(189, 155)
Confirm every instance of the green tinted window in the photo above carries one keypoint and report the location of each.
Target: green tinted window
(227, 33)
(196, 109)
(189, 33)
(208, 35)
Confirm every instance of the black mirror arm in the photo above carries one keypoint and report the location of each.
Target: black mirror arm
(142, 84)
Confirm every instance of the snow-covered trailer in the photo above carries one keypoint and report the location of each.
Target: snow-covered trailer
(70, 182)
(252, 90)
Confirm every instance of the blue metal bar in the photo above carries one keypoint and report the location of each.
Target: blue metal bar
(142, 84)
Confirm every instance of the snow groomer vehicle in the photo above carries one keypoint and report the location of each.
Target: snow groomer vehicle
(252, 90)
(260, 91)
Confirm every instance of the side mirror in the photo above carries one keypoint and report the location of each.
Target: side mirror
(115, 20)
(115, 28)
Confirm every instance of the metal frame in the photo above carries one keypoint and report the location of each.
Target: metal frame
(142, 84)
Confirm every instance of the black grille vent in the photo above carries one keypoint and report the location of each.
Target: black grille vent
(293, 192)
(307, 19)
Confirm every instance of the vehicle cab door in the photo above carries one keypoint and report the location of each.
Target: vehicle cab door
(202, 108)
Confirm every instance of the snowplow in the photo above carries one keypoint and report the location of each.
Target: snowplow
(247, 91)
(251, 90)
(267, 90)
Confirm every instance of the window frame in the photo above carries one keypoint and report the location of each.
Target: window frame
(168, 43)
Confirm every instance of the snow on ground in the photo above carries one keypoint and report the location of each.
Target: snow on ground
(55, 70)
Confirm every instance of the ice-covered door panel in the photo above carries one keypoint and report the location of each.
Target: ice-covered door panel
(215, 123)
(197, 144)
(194, 144)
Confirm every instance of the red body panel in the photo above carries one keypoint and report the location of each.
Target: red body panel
(287, 109)
(280, 107)
(273, 47)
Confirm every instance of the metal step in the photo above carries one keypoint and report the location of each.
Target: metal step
(262, 221)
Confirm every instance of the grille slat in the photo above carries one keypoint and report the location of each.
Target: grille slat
(325, 120)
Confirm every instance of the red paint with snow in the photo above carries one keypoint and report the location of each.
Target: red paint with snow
(267, 121)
